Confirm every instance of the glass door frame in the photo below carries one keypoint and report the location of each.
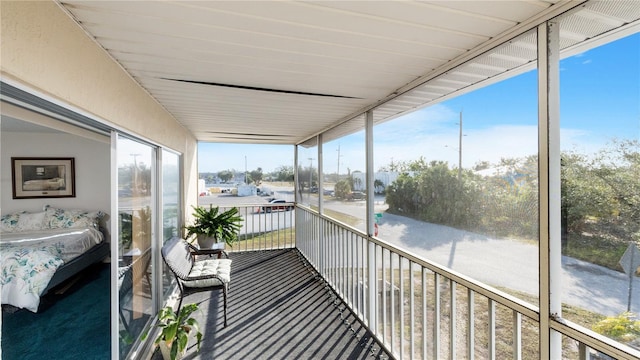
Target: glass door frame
(141, 346)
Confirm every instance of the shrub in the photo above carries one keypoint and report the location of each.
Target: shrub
(623, 327)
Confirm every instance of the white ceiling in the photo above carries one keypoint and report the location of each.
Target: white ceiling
(282, 71)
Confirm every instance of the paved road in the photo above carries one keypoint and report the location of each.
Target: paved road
(510, 264)
(504, 263)
(497, 262)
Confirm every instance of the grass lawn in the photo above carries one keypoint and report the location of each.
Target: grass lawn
(595, 249)
(504, 322)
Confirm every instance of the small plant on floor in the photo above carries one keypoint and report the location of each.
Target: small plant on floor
(176, 328)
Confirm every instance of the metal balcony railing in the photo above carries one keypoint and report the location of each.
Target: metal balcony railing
(265, 227)
(421, 310)
(417, 309)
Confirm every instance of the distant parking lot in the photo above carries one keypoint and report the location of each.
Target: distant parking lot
(231, 200)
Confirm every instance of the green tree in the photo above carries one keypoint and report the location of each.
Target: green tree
(256, 176)
(307, 177)
(618, 169)
(432, 192)
(225, 175)
(284, 173)
(378, 185)
(400, 195)
(600, 192)
(391, 167)
(583, 195)
(509, 200)
(603, 188)
(481, 165)
(342, 189)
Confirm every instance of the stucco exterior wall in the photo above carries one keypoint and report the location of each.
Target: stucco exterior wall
(45, 51)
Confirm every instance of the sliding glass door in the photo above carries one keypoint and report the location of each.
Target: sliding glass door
(171, 210)
(136, 185)
(148, 207)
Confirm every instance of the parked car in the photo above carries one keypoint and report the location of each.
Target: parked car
(277, 204)
(356, 195)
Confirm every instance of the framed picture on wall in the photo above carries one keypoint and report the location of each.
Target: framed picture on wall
(43, 177)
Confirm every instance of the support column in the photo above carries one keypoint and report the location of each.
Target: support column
(320, 175)
(369, 175)
(296, 175)
(549, 191)
(371, 262)
(320, 229)
(115, 299)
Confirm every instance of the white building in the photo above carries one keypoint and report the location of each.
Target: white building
(360, 181)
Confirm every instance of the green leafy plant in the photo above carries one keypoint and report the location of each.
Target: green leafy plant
(623, 327)
(176, 328)
(211, 222)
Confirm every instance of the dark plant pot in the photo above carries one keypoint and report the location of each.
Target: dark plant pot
(206, 242)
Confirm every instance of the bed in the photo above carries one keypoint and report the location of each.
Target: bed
(40, 250)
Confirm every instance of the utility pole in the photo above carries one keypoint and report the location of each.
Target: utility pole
(310, 172)
(245, 170)
(338, 172)
(460, 151)
(135, 174)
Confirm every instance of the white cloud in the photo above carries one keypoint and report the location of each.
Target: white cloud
(435, 118)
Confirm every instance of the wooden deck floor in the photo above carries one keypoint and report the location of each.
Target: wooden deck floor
(278, 309)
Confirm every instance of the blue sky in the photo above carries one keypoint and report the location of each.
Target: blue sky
(600, 101)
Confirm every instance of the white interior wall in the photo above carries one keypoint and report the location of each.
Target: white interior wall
(46, 53)
(91, 169)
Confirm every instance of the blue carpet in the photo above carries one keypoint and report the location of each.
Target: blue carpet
(74, 325)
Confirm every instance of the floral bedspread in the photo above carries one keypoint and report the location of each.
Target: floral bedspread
(26, 272)
(29, 260)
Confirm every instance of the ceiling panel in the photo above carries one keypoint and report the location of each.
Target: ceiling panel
(283, 71)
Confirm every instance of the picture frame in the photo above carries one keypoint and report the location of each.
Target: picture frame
(43, 177)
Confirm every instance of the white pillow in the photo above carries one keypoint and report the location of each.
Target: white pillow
(61, 218)
(30, 221)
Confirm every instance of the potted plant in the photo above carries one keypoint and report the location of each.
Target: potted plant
(211, 226)
(175, 331)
